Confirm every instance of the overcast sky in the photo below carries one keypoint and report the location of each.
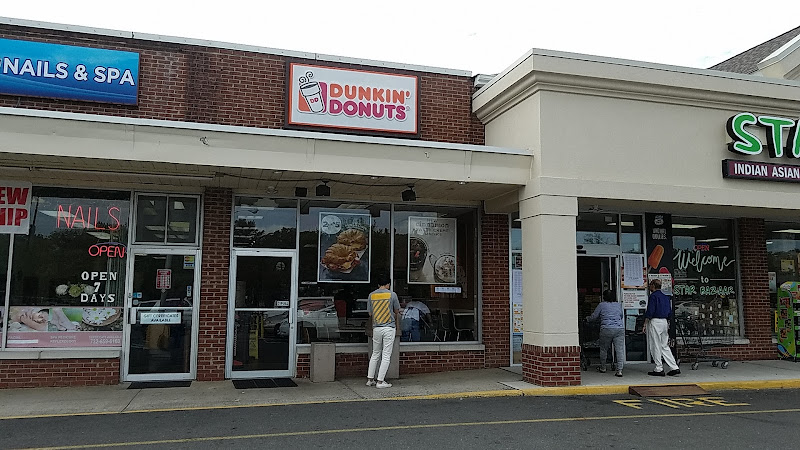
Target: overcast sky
(481, 37)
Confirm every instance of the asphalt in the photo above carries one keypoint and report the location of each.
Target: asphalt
(119, 399)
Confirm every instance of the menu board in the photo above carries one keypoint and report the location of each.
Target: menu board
(516, 300)
(431, 250)
(344, 247)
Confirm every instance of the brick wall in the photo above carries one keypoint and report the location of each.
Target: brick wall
(214, 284)
(430, 362)
(22, 373)
(233, 87)
(495, 313)
(304, 366)
(551, 366)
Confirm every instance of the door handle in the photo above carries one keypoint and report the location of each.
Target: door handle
(132, 315)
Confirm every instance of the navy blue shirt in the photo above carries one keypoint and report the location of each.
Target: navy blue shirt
(658, 306)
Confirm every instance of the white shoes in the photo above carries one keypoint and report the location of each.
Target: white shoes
(371, 383)
(383, 385)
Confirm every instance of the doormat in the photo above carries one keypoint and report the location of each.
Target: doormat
(158, 384)
(263, 383)
(667, 390)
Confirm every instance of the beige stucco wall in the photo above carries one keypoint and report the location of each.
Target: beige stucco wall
(630, 137)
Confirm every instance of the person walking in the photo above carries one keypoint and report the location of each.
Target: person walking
(383, 306)
(609, 311)
(656, 325)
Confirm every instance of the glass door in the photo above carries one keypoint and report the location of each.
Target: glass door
(261, 314)
(162, 305)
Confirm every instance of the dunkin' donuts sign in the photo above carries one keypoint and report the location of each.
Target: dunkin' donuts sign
(352, 99)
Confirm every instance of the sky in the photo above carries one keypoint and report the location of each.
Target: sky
(480, 37)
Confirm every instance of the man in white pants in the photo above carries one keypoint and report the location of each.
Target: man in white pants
(383, 306)
(656, 325)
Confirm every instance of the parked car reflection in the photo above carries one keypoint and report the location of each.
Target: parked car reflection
(322, 319)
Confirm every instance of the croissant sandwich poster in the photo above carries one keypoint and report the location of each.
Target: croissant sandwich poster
(344, 247)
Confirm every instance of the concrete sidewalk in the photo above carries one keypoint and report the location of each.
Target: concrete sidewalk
(17, 403)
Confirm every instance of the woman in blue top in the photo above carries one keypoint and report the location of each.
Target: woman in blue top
(609, 311)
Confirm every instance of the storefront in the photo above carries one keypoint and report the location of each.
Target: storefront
(626, 187)
(200, 211)
(187, 225)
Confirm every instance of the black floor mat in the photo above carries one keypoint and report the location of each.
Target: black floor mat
(158, 384)
(263, 383)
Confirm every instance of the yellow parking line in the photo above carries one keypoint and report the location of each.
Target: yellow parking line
(421, 426)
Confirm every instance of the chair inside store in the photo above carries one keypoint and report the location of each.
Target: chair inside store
(459, 330)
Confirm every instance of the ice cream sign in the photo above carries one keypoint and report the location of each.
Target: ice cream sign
(352, 99)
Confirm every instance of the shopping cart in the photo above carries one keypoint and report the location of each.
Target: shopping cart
(588, 336)
(698, 340)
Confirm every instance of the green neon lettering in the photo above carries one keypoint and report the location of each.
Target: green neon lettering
(743, 141)
(775, 126)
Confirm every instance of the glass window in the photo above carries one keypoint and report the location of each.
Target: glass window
(264, 223)
(595, 228)
(166, 219)
(705, 274)
(631, 234)
(4, 241)
(435, 271)
(342, 247)
(783, 265)
(68, 273)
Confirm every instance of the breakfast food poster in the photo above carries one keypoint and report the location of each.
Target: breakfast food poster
(431, 250)
(344, 247)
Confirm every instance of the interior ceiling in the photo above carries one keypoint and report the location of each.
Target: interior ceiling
(86, 172)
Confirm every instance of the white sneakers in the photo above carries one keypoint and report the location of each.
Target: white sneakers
(379, 384)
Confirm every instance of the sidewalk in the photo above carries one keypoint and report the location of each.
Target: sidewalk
(15, 403)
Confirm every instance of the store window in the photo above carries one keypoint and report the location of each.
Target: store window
(705, 286)
(435, 267)
(68, 272)
(166, 219)
(597, 229)
(516, 289)
(343, 246)
(265, 223)
(783, 265)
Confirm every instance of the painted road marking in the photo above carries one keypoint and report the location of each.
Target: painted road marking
(679, 403)
(421, 426)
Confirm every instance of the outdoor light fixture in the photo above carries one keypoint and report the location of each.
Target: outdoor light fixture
(300, 192)
(409, 195)
(323, 190)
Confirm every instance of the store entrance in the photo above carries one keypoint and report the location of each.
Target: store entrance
(261, 314)
(161, 327)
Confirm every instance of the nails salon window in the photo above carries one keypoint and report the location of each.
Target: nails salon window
(68, 272)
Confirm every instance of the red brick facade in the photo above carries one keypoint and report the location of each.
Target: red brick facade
(495, 297)
(235, 87)
(23, 373)
(215, 264)
(551, 366)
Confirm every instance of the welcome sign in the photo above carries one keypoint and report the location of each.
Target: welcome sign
(352, 99)
(36, 69)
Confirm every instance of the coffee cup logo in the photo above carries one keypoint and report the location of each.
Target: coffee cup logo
(312, 93)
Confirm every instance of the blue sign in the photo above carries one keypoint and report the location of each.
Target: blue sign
(38, 69)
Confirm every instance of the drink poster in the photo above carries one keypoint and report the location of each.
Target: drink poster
(344, 247)
(431, 250)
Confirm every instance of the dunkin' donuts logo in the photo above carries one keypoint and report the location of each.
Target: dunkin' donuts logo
(343, 98)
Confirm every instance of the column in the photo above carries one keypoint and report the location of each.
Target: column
(550, 347)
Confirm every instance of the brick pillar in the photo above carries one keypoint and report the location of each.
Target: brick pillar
(551, 366)
(495, 299)
(214, 284)
(756, 307)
